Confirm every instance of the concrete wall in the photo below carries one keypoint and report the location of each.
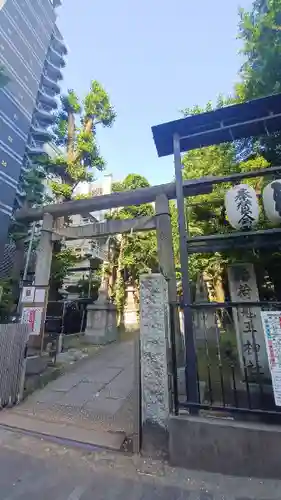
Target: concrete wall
(225, 446)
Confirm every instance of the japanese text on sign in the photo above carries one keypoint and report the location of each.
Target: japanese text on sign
(247, 320)
(272, 332)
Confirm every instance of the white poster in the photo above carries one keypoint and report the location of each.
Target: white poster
(33, 317)
(276, 385)
(28, 294)
(40, 294)
(271, 321)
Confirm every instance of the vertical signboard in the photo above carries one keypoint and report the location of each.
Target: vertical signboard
(272, 332)
(33, 317)
(33, 312)
(247, 321)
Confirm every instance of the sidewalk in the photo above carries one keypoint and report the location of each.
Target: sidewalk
(94, 403)
(32, 469)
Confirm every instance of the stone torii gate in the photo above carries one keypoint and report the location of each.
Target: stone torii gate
(101, 326)
(161, 222)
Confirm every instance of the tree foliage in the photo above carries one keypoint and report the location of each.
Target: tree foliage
(61, 263)
(135, 253)
(75, 134)
(206, 213)
(7, 299)
(260, 75)
(260, 33)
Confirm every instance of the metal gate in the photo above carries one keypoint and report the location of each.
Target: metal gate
(220, 375)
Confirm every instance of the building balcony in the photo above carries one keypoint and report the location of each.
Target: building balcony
(44, 115)
(35, 151)
(20, 192)
(95, 252)
(53, 70)
(18, 202)
(40, 133)
(50, 82)
(55, 57)
(47, 99)
(59, 44)
(26, 164)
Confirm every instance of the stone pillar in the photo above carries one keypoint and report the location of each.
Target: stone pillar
(167, 263)
(131, 320)
(154, 334)
(247, 321)
(42, 274)
(101, 327)
(44, 253)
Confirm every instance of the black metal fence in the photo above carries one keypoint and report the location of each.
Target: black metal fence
(233, 377)
(66, 316)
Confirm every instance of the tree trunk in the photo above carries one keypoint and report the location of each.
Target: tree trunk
(70, 136)
(89, 125)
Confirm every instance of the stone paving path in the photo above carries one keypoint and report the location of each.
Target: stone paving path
(93, 403)
(32, 469)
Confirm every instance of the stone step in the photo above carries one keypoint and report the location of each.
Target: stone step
(100, 438)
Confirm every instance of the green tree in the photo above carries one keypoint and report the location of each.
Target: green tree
(77, 140)
(135, 253)
(33, 184)
(61, 263)
(75, 135)
(206, 213)
(7, 299)
(260, 32)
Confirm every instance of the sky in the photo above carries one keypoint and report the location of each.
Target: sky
(154, 58)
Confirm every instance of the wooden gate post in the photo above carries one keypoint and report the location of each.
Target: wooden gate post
(167, 263)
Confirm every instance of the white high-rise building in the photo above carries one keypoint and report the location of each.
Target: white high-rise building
(32, 54)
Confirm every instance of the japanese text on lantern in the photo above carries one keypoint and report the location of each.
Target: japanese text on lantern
(244, 206)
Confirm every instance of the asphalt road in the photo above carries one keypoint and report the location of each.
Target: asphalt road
(32, 469)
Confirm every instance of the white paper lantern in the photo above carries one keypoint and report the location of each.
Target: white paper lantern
(242, 207)
(272, 201)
